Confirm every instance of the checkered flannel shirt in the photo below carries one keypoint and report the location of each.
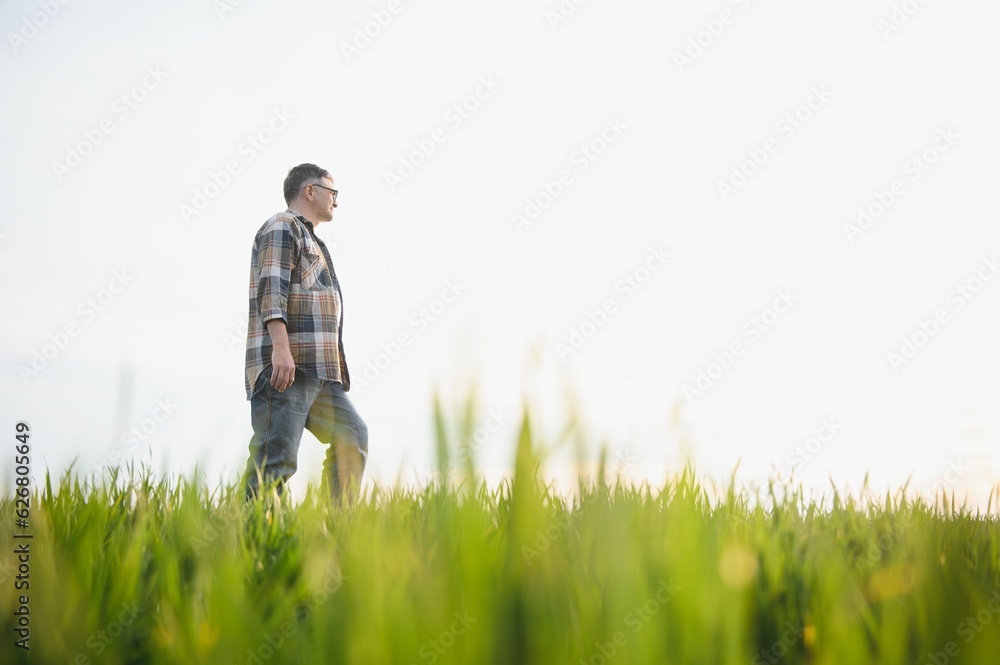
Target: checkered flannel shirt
(292, 279)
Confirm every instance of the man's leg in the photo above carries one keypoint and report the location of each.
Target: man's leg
(278, 419)
(335, 422)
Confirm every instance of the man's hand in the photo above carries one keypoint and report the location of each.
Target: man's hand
(283, 369)
(282, 364)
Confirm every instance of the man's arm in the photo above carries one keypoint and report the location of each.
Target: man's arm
(277, 251)
(282, 364)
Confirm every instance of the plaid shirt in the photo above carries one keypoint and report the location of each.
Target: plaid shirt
(292, 279)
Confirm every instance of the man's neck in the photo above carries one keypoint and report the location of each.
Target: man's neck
(312, 223)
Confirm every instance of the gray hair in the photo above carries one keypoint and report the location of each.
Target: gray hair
(300, 176)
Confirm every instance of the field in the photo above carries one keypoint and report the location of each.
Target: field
(143, 570)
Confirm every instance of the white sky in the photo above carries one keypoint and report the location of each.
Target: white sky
(678, 132)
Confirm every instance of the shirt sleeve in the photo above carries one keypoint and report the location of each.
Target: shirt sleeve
(276, 252)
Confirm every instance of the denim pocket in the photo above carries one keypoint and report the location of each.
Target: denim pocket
(262, 379)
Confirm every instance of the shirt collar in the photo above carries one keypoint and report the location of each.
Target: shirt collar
(301, 218)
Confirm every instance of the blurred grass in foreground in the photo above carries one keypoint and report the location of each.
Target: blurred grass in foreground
(141, 570)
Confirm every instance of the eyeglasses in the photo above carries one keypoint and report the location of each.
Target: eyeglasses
(329, 189)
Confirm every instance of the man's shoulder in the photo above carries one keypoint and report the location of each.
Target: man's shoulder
(284, 220)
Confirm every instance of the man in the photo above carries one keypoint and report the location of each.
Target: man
(296, 371)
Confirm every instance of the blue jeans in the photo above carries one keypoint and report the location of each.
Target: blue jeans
(279, 418)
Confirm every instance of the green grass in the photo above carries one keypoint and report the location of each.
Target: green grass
(146, 570)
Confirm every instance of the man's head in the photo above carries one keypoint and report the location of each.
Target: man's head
(309, 190)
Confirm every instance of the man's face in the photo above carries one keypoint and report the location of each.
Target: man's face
(323, 199)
